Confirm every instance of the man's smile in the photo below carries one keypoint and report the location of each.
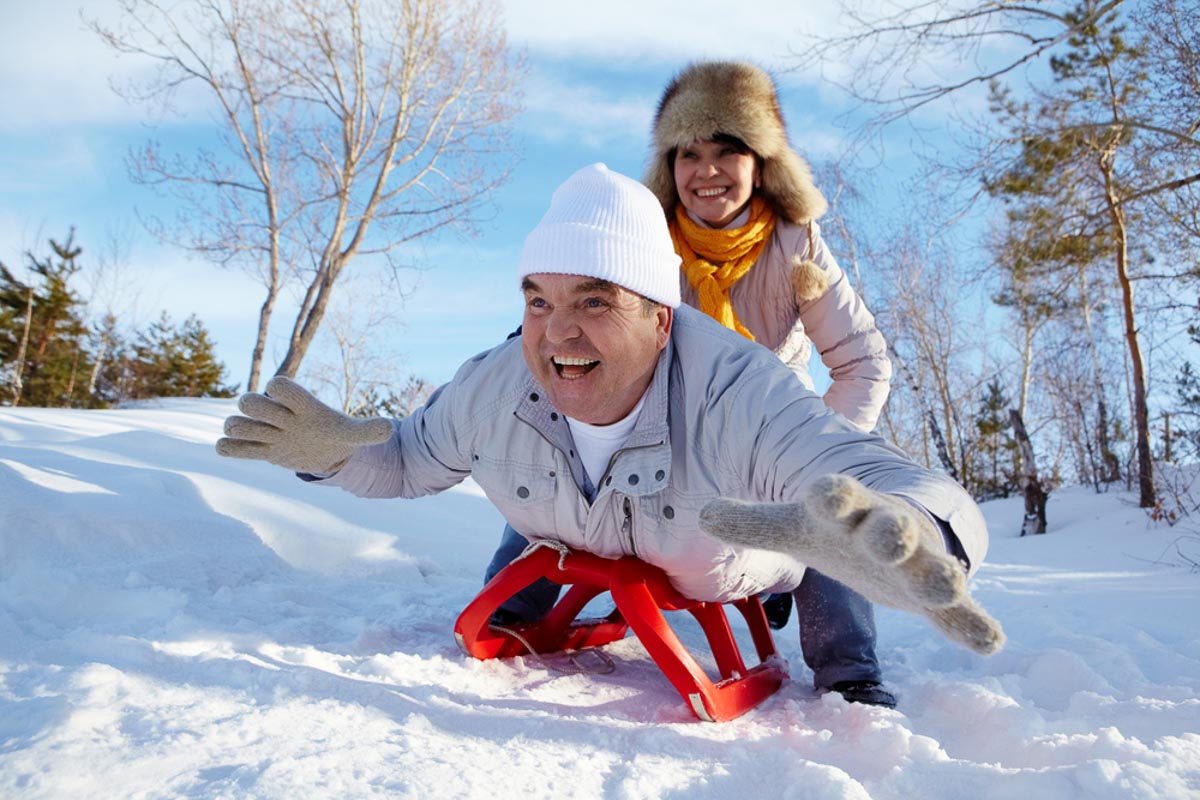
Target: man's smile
(572, 367)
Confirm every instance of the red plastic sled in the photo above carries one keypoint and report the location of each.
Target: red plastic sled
(641, 592)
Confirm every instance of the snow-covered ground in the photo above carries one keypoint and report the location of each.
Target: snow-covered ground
(174, 624)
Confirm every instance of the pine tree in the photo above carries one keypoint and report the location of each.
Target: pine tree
(1082, 155)
(995, 446)
(171, 361)
(43, 340)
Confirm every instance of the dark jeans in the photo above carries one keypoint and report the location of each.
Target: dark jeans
(837, 624)
(532, 602)
(837, 631)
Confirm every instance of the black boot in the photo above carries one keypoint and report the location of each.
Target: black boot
(778, 608)
(868, 693)
(504, 618)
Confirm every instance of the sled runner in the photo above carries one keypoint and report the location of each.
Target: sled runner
(641, 593)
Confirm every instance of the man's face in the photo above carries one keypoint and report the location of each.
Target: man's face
(590, 344)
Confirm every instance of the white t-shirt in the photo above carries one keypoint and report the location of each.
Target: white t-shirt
(597, 443)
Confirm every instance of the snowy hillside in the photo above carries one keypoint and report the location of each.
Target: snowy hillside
(174, 624)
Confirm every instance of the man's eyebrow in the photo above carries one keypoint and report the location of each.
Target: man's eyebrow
(596, 285)
(589, 285)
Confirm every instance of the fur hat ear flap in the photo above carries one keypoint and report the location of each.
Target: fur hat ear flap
(787, 184)
(660, 179)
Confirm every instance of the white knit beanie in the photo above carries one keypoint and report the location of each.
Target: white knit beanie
(601, 224)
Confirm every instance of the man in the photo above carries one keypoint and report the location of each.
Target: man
(623, 424)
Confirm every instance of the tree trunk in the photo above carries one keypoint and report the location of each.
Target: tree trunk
(930, 417)
(71, 381)
(1141, 413)
(1026, 371)
(1093, 467)
(306, 327)
(1108, 470)
(1031, 486)
(1110, 465)
(1167, 455)
(95, 376)
(274, 257)
(18, 385)
(260, 341)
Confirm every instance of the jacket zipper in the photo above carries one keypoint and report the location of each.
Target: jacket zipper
(627, 525)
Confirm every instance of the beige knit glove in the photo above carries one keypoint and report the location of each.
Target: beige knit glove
(878, 545)
(289, 427)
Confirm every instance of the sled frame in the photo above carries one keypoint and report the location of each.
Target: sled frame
(641, 593)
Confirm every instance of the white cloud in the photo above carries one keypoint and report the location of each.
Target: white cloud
(610, 114)
(53, 69)
(563, 108)
(56, 72)
(597, 72)
(622, 30)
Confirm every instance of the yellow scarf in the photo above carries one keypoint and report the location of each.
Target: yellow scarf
(714, 260)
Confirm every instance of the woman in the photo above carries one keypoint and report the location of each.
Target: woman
(741, 206)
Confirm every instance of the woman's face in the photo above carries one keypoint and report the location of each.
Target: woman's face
(715, 180)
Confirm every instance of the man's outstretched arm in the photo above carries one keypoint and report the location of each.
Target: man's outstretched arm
(877, 544)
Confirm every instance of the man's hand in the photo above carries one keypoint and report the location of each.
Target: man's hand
(289, 427)
(878, 545)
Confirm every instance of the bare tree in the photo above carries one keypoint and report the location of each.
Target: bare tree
(111, 297)
(1172, 50)
(1171, 45)
(18, 366)
(357, 367)
(1048, 245)
(894, 57)
(345, 128)
(1095, 104)
(1079, 143)
(923, 317)
(1031, 485)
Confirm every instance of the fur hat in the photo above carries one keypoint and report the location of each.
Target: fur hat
(736, 99)
(602, 224)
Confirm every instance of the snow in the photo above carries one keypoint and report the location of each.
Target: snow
(175, 624)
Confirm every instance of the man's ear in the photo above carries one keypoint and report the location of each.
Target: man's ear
(665, 316)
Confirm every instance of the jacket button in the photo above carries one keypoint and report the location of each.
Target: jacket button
(533, 397)
(522, 492)
(633, 480)
(553, 416)
(658, 476)
(668, 512)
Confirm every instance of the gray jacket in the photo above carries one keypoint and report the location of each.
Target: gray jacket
(723, 417)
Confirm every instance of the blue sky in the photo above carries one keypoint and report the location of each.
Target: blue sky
(595, 74)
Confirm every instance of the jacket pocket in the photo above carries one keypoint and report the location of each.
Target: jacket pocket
(524, 493)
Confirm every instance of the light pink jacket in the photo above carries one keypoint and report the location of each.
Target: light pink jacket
(837, 322)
